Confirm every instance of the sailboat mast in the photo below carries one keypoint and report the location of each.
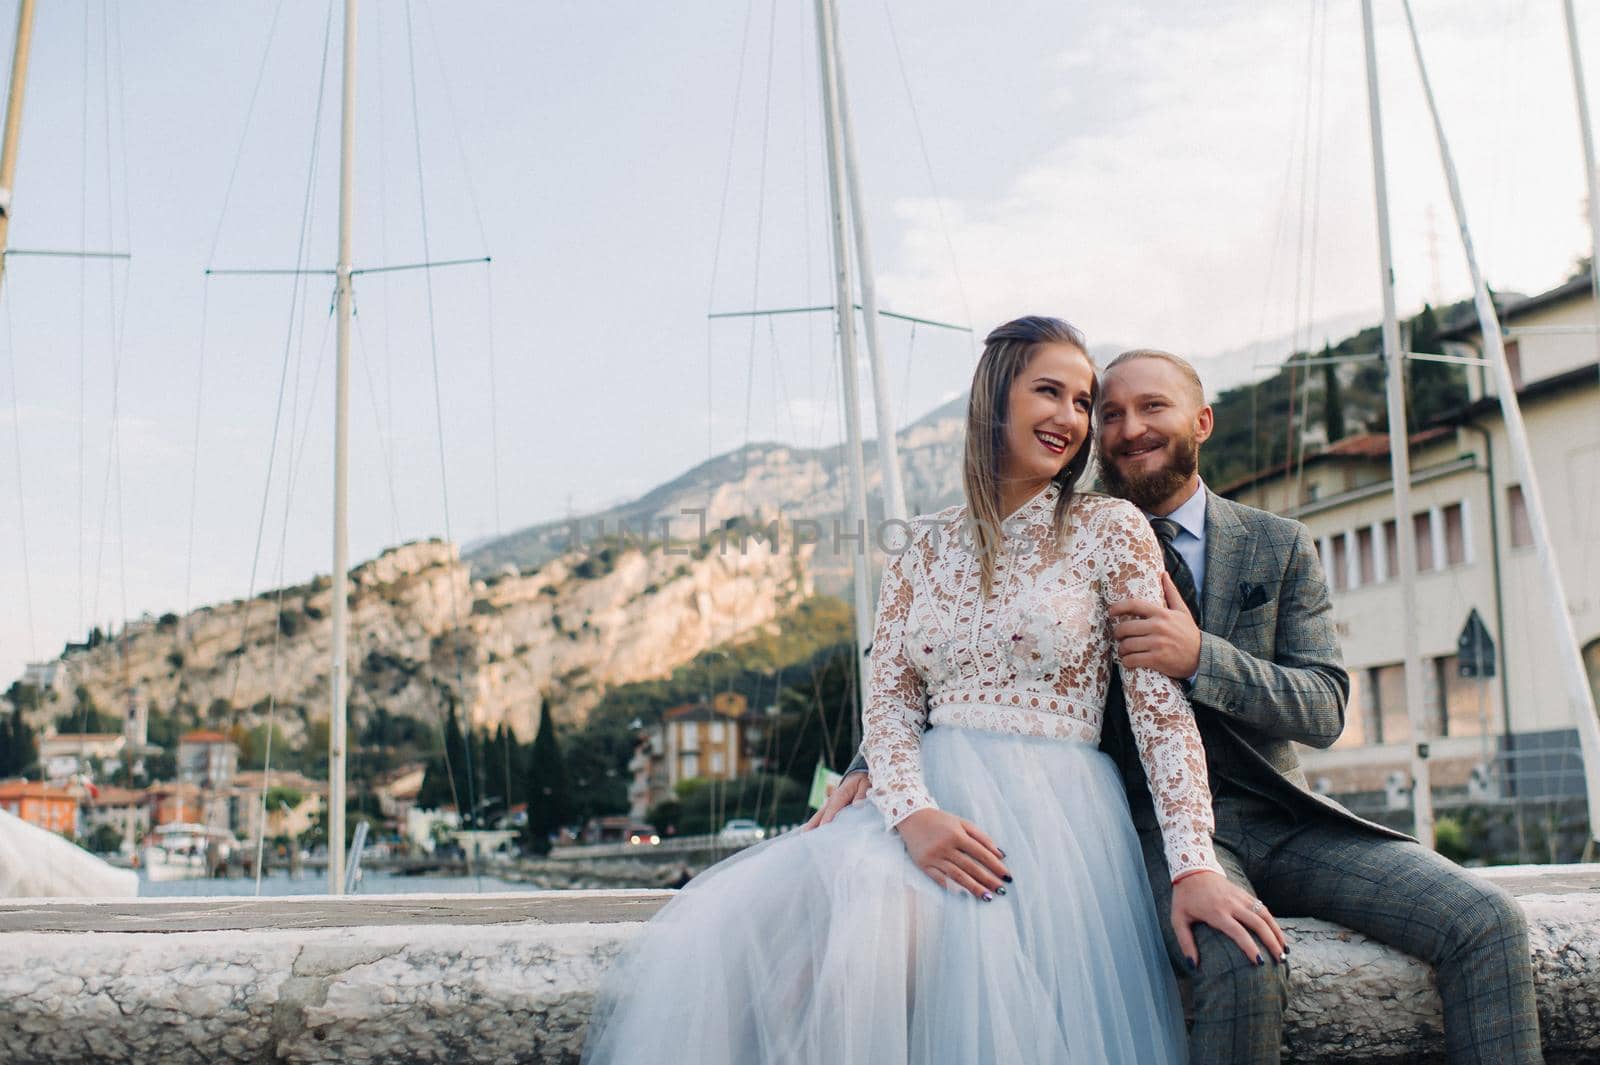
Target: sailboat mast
(894, 494)
(1580, 697)
(13, 128)
(1399, 459)
(1591, 182)
(844, 313)
(341, 462)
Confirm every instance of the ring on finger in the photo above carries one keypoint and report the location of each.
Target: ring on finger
(1257, 906)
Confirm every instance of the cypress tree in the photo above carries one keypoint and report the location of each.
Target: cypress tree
(1332, 401)
(549, 801)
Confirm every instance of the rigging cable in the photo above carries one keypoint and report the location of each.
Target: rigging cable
(205, 311)
(16, 432)
(716, 249)
(296, 284)
(1320, 11)
(488, 268)
(438, 413)
(1299, 255)
(927, 161)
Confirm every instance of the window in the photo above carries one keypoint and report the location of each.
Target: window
(1422, 524)
(1358, 728)
(716, 763)
(1341, 563)
(1514, 363)
(1464, 709)
(716, 732)
(1391, 551)
(1455, 536)
(1389, 685)
(1366, 557)
(691, 766)
(688, 736)
(1521, 528)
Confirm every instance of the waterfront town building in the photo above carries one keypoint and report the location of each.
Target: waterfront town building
(46, 805)
(1509, 739)
(715, 739)
(67, 755)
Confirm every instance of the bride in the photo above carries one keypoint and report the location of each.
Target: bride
(989, 904)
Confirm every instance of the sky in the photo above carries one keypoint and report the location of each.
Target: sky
(1195, 177)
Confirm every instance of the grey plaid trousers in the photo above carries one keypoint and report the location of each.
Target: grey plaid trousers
(1396, 891)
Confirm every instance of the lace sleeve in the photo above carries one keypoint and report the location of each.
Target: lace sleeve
(1163, 722)
(894, 714)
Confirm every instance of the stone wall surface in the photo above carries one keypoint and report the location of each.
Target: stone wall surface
(511, 978)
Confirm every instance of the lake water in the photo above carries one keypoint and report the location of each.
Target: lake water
(317, 884)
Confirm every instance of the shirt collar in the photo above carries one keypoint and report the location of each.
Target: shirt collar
(1191, 516)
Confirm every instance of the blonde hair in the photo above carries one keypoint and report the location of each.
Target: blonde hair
(1183, 365)
(1006, 353)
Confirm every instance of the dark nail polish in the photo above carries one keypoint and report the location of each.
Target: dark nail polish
(1007, 878)
(1191, 963)
(1285, 952)
(999, 891)
(1002, 853)
(987, 897)
(1260, 960)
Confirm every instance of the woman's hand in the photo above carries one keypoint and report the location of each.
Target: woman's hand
(955, 851)
(1210, 898)
(851, 790)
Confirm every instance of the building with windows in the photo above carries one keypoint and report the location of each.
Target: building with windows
(70, 754)
(207, 759)
(1512, 737)
(51, 808)
(127, 810)
(715, 739)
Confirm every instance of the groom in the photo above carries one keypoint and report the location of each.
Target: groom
(1247, 628)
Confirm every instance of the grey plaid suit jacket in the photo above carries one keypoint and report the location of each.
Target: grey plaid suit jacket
(1270, 667)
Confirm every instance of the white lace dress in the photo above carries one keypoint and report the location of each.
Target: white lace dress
(831, 947)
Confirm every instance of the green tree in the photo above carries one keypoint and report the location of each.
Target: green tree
(703, 806)
(442, 781)
(1332, 399)
(86, 716)
(501, 769)
(815, 717)
(1433, 388)
(19, 751)
(549, 803)
(105, 839)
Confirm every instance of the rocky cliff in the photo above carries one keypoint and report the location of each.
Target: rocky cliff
(424, 632)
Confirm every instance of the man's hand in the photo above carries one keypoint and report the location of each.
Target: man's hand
(851, 790)
(1210, 898)
(1158, 636)
(955, 853)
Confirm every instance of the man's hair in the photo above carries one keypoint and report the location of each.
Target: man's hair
(1170, 359)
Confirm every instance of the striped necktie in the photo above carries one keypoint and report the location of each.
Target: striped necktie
(1166, 531)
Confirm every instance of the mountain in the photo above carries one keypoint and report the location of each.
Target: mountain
(425, 634)
(759, 483)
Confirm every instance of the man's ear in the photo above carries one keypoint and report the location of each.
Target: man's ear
(1203, 424)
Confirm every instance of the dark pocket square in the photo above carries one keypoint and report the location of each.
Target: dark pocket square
(1251, 596)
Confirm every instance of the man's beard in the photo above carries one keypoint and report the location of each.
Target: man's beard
(1148, 490)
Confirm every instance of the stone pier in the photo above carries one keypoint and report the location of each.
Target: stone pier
(510, 978)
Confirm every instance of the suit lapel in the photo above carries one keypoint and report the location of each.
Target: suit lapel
(1230, 552)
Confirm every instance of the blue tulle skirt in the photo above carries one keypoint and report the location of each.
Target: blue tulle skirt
(830, 947)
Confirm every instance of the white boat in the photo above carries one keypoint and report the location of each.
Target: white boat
(185, 850)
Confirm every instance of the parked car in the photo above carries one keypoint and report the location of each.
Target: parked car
(742, 830)
(643, 834)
